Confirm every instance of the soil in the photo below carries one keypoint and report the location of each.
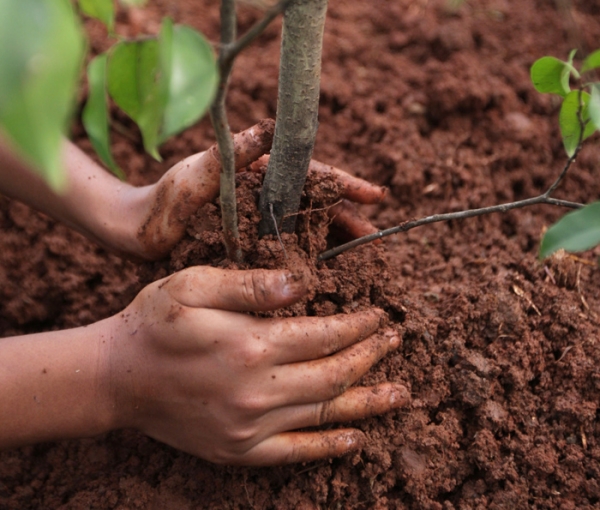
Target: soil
(500, 351)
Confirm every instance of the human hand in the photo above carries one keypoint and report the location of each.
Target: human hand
(344, 214)
(195, 181)
(189, 369)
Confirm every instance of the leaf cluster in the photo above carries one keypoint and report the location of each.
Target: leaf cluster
(579, 118)
(164, 83)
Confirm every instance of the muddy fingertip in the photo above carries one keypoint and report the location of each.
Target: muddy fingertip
(399, 396)
(394, 338)
(294, 284)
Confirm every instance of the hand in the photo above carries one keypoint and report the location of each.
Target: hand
(147, 222)
(344, 214)
(195, 181)
(188, 369)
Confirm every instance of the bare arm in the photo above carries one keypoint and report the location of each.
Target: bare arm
(147, 222)
(52, 386)
(95, 203)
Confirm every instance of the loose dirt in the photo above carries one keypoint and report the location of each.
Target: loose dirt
(500, 351)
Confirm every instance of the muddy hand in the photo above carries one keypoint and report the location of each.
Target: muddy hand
(354, 190)
(192, 371)
(190, 184)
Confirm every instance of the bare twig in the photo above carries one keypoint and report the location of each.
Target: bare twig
(220, 124)
(544, 198)
(229, 49)
(232, 51)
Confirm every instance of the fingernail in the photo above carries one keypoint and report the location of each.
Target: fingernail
(380, 314)
(354, 439)
(399, 396)
(395, 341)
(293, 284)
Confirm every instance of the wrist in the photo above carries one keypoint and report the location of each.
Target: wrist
(98, 205)
(122, 372)
(55, 386)
(117, 220)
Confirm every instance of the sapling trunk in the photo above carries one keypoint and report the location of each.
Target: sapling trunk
(297, 111)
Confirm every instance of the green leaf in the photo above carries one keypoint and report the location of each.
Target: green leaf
(592, 61)
(41, 53)
(550, 76)
(568, 119)
(594, 105)
(133, 72)
(104, 10)
(165, 84)
(576, 231)
(193, 83)
(95, 114)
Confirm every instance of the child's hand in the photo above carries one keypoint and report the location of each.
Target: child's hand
(195, 181)
(190, 370)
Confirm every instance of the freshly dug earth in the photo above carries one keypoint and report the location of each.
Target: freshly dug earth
(500, 351)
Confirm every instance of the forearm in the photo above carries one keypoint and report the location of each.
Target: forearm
(95, 203)
(55, 385)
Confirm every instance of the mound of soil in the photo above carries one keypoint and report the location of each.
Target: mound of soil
(500, 351)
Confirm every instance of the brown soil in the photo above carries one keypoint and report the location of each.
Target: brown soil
(500, 351)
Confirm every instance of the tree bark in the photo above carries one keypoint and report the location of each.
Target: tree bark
(297, 112)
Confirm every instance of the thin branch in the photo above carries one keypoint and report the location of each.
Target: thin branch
(220, 124)
(544, 198)
(232, 51)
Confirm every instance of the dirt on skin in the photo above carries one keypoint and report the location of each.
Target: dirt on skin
(500, 351)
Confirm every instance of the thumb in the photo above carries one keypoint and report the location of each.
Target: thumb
(256, 290)
(192, 183)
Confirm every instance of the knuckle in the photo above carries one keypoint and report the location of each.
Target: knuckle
(235, 443)
(254, 287)
(324, 413)
(250, 405)
(336, 383)
(239, 437)
(251, 356)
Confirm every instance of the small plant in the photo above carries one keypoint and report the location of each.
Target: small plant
(579, 118)
(164, 83)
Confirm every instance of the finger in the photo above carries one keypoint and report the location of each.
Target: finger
(354, 404)
(347, 218)
(293, 447)
(308, 338)
(353, 188)
(192, 183)
(204, 172)
(324, 379)
(256, 290)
